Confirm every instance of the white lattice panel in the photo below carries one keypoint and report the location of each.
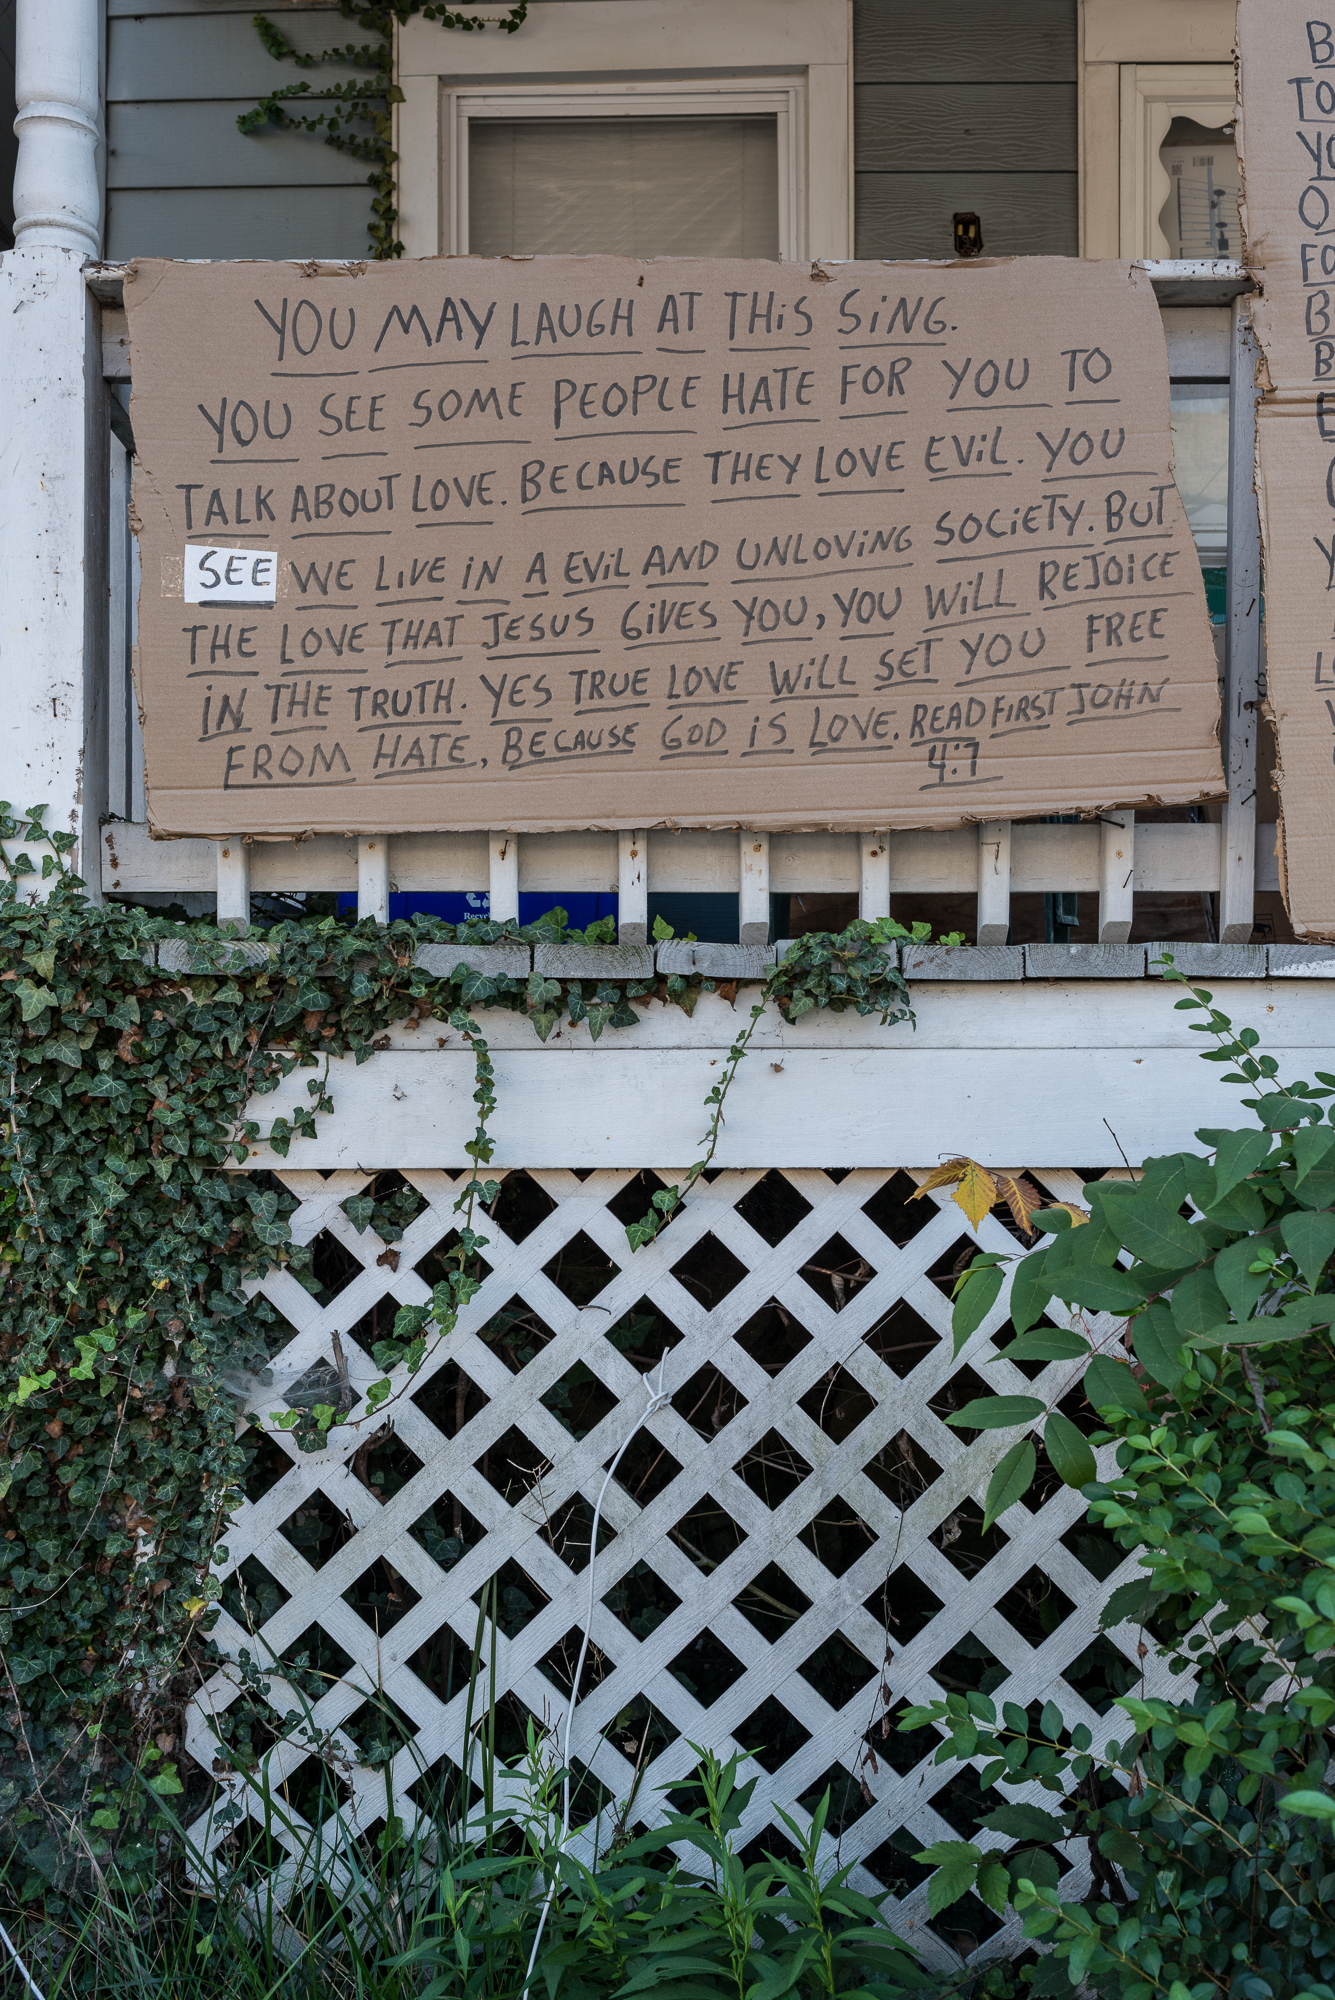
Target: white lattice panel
(811, 1374)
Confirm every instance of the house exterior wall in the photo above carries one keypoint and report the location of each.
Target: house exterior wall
(181, 181)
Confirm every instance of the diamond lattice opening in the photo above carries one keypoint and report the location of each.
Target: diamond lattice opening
(446, 1530)
(450, 1399)
(903, 1469)
(635, 1199)
(380, 1729)
(514, 1465)
(963, 1387)
(902, 1606)
(252, 1596)
(838, 1671)
(332, 1267)
(893, 1865)
(521, 1206)
(962, 1541)
(566, 1531)
(837, 1272)
(847, 1802)
(902, 1338)
(558, 1664)
(439, 1261)
(647, 1468)
(771, 1735)
(316, 1528)
(641, 1600)
(518, 1333)
(1103, 1672)
(381, 1596)
(773, 1207)
(838, 1404)
(1035, 1606)
(837, 1536)
(579, 1401)
(895, 1212)
(709, 1401)
(514, 1598)
(969, 1665)
(580, 1270)
(773, 1469)
(387, 1204)
(709, 1271)
(706, 1669)
(772, 1337)
(643, 1334)
(707, 1534)
(948, 1266)
(772, 1601)
(1093, 1547)
(266, 1464)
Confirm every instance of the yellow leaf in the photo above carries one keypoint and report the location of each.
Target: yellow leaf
(1021, 1198)
(977, 1192)
(194, 1605)
(1077, 1215)
(943, 1176)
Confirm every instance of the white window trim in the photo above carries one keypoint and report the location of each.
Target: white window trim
(1153, 94)
(798, 51)
(783, 98)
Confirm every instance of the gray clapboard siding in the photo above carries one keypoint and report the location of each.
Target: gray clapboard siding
(963, 128)
(964, 41)
(965, 105)
(198, 146)
(285, 222)
(909, 215)
(181, 180)
(175, 56)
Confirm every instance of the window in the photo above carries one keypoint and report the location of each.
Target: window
(662, 170)
(1179, 165)
(595, 129)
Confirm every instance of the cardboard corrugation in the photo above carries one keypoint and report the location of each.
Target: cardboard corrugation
(677, 543)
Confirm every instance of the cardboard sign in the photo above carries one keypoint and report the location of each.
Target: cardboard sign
(1285, 135)
(586, 542)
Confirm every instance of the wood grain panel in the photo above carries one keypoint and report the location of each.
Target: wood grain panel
(964, 41)
(909, 215)
(963, 128)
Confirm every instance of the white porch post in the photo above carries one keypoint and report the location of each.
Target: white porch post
(53, 438)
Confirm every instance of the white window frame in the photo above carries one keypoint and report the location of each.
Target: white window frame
(1153, 95)
(783, 98)
(788, 58)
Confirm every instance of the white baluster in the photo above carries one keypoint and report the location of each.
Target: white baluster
(373, 877)
(1242, 645)
(1117, 868)
(233, 881)
(994, 881)
(503, 850)
(633, 888)
(753, 901)
(874, 894)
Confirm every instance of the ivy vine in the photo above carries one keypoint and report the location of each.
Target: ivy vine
(358, 115)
